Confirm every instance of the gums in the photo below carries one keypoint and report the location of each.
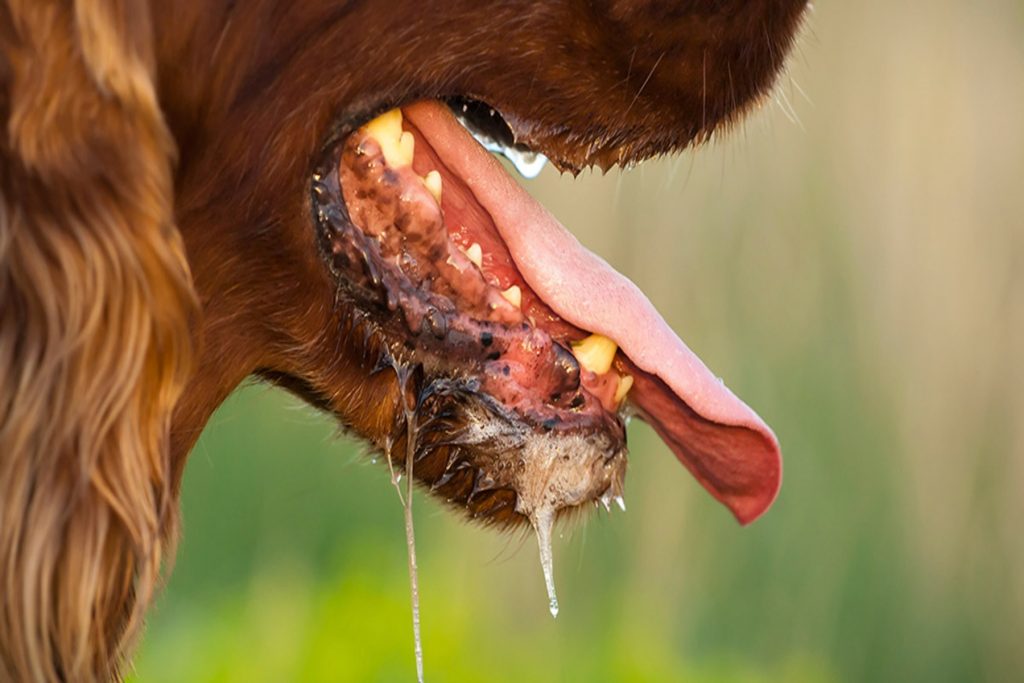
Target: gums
(391, 240)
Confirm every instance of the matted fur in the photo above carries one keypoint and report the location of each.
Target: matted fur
(99, 325)
(95, 304)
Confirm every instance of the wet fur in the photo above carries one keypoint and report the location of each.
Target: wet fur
(157, 247)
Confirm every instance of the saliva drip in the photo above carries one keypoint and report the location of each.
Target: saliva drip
(529, 164)
(542, 521)
(403, 374)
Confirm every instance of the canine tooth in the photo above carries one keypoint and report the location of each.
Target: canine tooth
(387, 125)
(432, 181)
(595, 353)
(406, 147)
(475, 254)
(625, 384)
(514, 296)
(395, 144)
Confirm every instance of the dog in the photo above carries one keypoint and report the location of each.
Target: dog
(194, 193)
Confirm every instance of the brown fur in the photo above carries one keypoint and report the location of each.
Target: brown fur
(99, 327)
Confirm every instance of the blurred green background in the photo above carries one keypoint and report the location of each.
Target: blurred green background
(851, 261)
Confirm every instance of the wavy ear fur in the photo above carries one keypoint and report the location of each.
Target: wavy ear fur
(96, 303)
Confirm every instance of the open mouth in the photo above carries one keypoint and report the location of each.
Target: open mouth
(533, 350)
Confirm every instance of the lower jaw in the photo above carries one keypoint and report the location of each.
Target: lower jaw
(505, 422)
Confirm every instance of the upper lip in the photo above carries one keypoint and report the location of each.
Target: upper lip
(567, 148)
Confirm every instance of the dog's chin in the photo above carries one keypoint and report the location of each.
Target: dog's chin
(499, 466)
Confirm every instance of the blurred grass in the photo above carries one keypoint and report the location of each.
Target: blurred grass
(854, 274)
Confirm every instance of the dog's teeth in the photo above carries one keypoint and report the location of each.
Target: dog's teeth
(625, 384)
(514, 296)
(395, 144)
(432, 181)
(476, 255)
(595, 353)
(406, 146)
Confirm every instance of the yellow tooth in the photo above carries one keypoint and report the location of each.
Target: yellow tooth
(406, 146)
(595, 353)
(432, 181)
(476, 255)
(625, 384)
(396, 145)
(514, 296)
(387, 125)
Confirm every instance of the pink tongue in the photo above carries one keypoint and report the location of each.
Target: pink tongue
(724, 443)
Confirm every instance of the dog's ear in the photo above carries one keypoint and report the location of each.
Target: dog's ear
(96, 305)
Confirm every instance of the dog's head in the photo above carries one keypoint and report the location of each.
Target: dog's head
(325, 262)
(349, 239)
